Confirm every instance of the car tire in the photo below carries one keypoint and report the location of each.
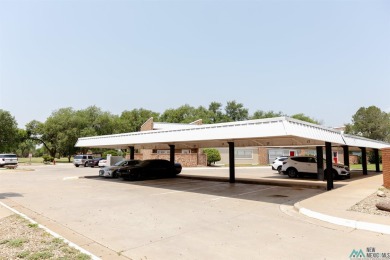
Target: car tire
(76, 165)
(279, 169)
(292, 173)
(85, 164)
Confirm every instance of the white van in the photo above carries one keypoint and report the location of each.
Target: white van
(8, 159)
(82, 159)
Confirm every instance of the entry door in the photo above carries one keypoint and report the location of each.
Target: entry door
(292, 153)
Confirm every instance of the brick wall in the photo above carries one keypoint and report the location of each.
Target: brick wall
(386, 167)
(263, 156)
(148, 125)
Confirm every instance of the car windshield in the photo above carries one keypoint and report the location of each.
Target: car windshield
(120, 163)
(78, 157)
(8, 156)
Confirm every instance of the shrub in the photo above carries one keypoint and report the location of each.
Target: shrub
(371, 157)
(112, 152)
(212, 154)
(47, 158)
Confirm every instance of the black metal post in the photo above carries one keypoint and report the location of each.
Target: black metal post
(364, 160)
(320, 163)
(377, 161)
(131, 152)
(172, 153)
(329, 166)
(232, 177)
(346, 155)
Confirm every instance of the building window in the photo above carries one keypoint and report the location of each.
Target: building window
(185, 151)
(163, 151)
(243, 154)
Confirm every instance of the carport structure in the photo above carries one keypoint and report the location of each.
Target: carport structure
(272, 132)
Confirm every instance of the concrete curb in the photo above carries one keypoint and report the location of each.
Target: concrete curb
(54, 234)
(379, 228)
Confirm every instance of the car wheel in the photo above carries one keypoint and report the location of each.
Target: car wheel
(279, 169)
(292, 173)
(85, 164)
(115, 174)
(76, 165)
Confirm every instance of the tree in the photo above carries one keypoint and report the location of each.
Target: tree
(131, 121)
(215, 113)
(9, 137)
(259, 114)
(370, 122)
(182, 114)
(236, 111)
(305, 118)
(212, 154)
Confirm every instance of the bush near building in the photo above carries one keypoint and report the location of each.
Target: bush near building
(212, 154)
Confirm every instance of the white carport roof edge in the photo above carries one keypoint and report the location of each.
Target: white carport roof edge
(283, 131)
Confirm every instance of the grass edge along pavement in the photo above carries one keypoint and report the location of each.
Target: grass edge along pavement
(30, 234)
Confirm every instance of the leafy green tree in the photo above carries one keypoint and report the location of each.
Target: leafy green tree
(131, 121)
(259, 114)
(215, 113)
(370, 122)
(182, 114)
(212, 154)
(305, 118)
(9, 137)
(112, 152)
(236, 111)
(63, 127)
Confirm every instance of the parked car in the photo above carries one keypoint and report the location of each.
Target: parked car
(150, 169)
(297, 166)
(278, 162)
(82, 159)
(94, 162)
(112, 171)
(102, 163)
(8, 159)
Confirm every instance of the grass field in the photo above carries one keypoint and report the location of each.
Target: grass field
(40, 160)
(370, 167)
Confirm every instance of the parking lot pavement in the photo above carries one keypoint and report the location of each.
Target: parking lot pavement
(178, 218)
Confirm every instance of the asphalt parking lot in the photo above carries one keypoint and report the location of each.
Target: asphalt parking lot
(176, 218)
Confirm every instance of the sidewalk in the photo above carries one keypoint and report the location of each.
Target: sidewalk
(332, 206)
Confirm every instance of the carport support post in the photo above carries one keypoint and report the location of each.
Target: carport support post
(172, 153)
(232, 177)
(376, 153)
(329, 166)
(320, 163)
(131, 152)
(364, 160)
(346, 155)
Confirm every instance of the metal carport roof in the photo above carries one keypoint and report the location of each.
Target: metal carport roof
(272, 132)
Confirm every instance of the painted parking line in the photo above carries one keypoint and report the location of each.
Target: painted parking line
(242, 194)
(70, 178)
(187, 190)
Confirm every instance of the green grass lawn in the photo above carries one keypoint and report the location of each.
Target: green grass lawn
(40, 160)
(370, 167)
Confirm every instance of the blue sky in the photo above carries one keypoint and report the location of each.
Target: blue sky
(322, 58)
